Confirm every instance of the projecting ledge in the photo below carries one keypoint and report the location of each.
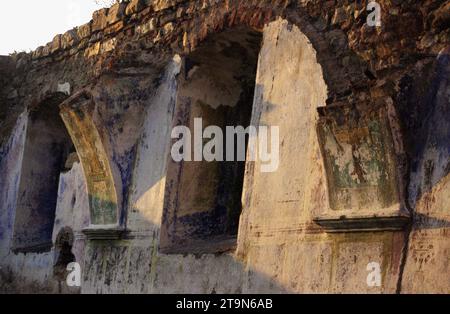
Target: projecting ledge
(213, 245)
(33, 248)
(104, 232)
(341, 221)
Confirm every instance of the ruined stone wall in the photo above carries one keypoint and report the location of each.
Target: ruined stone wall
(313, 54)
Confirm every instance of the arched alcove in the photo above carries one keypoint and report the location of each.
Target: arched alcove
(203, 198)
(47, 145)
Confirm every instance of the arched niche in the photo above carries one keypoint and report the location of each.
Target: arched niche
(203, 198)
(77, 114)
(47, 145)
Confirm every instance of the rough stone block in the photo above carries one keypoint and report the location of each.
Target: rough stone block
(134, 6)
(55, 44)
(69, 39)
(99, 20)
(116, 12)
(84, 31)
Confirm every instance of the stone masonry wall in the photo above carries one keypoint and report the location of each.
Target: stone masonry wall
(313, 54)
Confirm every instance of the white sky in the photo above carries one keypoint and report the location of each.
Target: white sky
(28, 24)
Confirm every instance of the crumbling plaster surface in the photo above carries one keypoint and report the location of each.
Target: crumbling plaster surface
(121, 57)
(428, 255)
(11, 160)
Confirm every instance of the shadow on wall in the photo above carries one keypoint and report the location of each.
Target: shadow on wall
(426, 110)
(429, 222)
